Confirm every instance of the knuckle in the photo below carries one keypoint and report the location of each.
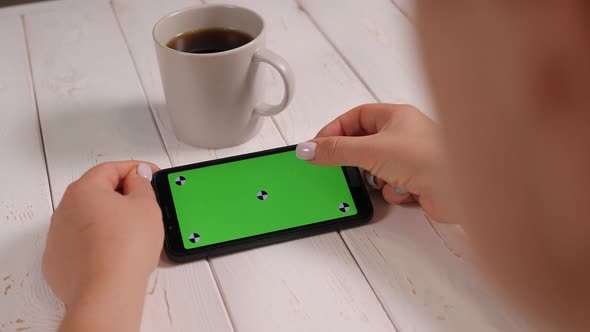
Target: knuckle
(362, 107)
(332, 146)
(72, 189)
(376, 169)
(102, 165)
(75, 190)
(105, 165)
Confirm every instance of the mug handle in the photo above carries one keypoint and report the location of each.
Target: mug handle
(275, 60)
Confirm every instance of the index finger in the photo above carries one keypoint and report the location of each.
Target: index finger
(362, 120)
(110, 175)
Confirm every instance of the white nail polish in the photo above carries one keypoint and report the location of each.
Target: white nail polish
(371, 180)
(306, 150)
(144, 170)
(400, 191)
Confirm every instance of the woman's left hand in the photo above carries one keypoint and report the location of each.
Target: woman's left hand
(105, 239)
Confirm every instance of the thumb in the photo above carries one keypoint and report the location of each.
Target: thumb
(338, 151)
(137, 183)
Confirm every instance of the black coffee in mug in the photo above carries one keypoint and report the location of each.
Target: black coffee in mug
(211, 40)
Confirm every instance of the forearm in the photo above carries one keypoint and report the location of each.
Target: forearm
(114, 305)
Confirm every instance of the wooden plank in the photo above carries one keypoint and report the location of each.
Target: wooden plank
(140, 44)
(139, 38)
(453, 236)
(326, 87)
(25, 203)
(455, 239)
(418, 270)
(93, 109)
(41, 6)
(311, 284)
(25, 8)
(379, 43)
(423, 284)
(407, 7)
(264, 288)
(331, 294)
(91, 105)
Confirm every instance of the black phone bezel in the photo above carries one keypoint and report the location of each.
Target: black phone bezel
(173, 243)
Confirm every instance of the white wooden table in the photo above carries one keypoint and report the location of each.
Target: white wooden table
(79, 85)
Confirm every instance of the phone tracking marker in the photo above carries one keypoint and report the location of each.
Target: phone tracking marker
(344, 207)
(194, 237)
(262, 195)
(180, 180)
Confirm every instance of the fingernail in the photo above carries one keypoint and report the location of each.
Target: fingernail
(306, 150)
(400, 191)
(144, 170)
(371, 179)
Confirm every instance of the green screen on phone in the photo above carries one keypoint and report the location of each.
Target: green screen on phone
(255, 196)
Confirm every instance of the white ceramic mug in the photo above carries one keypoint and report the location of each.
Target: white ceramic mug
(214, 99)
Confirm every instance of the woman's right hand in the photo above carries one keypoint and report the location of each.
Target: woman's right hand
(397, 144)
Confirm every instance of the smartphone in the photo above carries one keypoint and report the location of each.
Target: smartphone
(221, 206)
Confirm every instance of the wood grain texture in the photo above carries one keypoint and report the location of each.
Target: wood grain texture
(422, 284)
(312, 284)
(90, 101)
(407, 7)
(447, 296)
(281, 287)
(25, 203)
(29, 8)
(455, 239)
(452, 235)
(326, 87)
(379, 43)
(93, 109)
(138, 32)
(293, 31)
